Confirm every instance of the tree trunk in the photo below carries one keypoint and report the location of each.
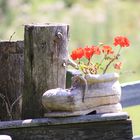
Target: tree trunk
(45, 57)
(11, 79)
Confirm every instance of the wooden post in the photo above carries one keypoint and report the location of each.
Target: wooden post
(11, 79)
(45, 57)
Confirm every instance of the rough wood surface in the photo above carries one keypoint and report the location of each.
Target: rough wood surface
(45, 59)
(114, 126)
(65, 120)
(11, 78)
(102, 95)
(130, 91)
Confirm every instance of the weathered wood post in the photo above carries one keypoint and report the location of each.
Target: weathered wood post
(45, 57)
(11, 79)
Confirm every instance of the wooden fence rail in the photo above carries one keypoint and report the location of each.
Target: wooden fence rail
(130, 94)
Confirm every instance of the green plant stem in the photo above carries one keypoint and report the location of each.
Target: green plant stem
(119, 51)
(11, 36)
(108, 65)
(101, 63)
(7, 106)
(88, 62)
(116, 57)
(79, 62)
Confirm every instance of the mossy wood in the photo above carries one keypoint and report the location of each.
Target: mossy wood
(11, 79)
(45, 60)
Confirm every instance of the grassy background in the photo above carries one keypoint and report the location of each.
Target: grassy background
(134, 113)
(91, 22)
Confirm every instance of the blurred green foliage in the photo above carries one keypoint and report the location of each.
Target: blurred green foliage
(135, 117)
(91, 22)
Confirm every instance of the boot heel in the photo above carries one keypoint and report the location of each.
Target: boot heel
(112, 108)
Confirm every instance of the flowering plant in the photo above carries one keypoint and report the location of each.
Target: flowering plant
(107, 53)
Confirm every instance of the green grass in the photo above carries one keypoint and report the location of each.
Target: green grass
(134, 113)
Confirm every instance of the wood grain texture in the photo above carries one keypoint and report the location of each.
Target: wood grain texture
(45, 57)
(130, 91)
(11, 77)
(101, 94)
(63, 121)
(90, 127)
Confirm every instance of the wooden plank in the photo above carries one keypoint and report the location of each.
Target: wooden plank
(65, 120)
(11, 79)
(89, 127)
(120, 130)
(130, 94)
(45, 57)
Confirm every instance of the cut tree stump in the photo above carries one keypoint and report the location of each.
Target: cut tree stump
(11, 79)
(45, 64)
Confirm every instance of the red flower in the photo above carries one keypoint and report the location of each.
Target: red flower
(107, 49)
(80, 53)
(77, 54)
(74, 55)
(96, 50)
(88, 52)
(118, 65)
(122, 41)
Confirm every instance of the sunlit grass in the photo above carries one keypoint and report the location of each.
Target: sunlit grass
(134, 113)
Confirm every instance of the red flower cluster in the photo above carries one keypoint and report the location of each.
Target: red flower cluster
(122, 41)
(77, 54)
(118, 65)
(107, 49)
(88, 52)
(108, 55)
(96, 50)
